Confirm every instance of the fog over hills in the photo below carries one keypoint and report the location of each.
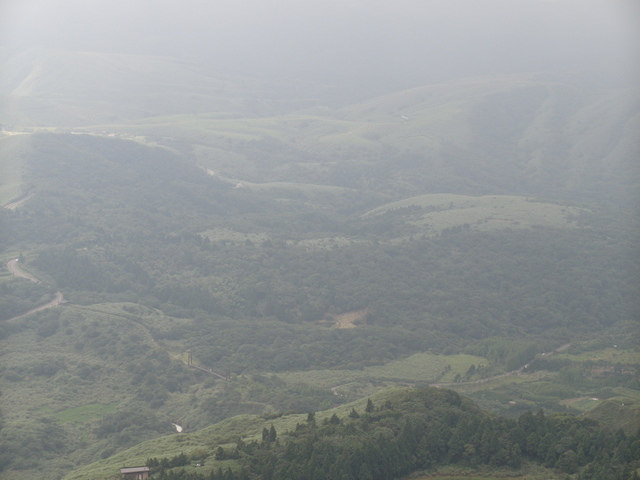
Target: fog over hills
(63, 88)
(537, 134)
(222, 219)
(363, 48)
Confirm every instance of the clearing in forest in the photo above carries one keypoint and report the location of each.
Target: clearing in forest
(351, 319)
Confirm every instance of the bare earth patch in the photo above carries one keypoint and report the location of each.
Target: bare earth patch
(349, 320)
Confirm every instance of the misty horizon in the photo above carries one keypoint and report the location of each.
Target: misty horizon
(378, 46)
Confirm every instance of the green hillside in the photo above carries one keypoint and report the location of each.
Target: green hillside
(228, 253)
(309, 295)
(389, 435)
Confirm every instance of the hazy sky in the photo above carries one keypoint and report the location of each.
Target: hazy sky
(390, 43)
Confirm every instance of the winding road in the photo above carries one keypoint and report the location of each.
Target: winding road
(13, 267)
(58, 299)
(17, 203)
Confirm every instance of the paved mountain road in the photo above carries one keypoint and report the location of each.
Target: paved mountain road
(58, 299)
(15, 269)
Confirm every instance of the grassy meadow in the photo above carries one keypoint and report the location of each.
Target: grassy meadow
(418, 368)
(436, 213)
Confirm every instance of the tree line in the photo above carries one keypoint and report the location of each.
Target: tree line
(422, 430)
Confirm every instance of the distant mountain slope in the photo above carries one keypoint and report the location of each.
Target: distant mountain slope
(513, 135)
(516, 135)
(61, 88)
(506, 135)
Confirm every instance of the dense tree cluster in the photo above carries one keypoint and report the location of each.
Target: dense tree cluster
(423, 430)
(432, 292)
(123, 222)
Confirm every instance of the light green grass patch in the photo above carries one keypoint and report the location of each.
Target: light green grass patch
(484, 213)
(460, 364)
(610, 355)
(420, 367)
(86, 412)
(584, 404)
(499, 381)
(417, 368)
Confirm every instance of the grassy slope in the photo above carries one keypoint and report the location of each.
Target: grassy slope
(619, 412)
(420, 367)
(483, 213)
(614, 406)
(435, 213)
(248, 427)
(612, 413)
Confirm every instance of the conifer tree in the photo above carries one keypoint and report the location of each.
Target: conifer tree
(370, 406)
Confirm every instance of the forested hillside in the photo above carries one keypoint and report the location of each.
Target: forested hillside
(414, 429)
(259, 259)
